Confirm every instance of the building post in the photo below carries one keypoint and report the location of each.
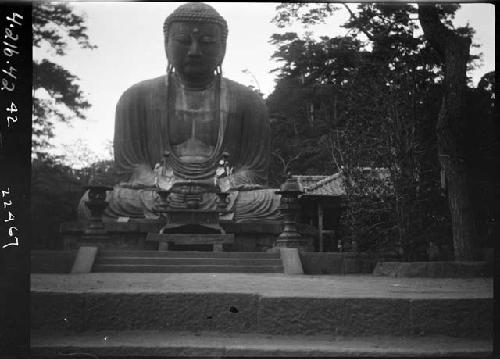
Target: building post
(320, 226)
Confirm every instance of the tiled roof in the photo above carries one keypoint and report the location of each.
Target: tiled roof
(308, 181)
(322, 185)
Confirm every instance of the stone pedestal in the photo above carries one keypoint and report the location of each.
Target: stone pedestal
(165, 241)
(194, 220)
(192, 227)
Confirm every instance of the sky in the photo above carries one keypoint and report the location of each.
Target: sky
(129, 40)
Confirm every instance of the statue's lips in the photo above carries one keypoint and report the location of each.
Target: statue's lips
(194, 64)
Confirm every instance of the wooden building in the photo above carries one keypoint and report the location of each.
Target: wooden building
(321, 207)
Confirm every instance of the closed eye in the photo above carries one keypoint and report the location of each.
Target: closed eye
(207, 40)
(183, 40)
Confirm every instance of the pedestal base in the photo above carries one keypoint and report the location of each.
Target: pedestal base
(248, 236)
(165, 240)
(192, 221)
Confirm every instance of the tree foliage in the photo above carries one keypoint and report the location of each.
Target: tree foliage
(56, 190)
(57, 95)
(366, 103)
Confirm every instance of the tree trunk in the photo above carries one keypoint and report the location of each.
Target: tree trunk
(451, 127)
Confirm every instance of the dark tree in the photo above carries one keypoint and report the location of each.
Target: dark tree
(308, 101)
(54, 27)
(382, 113)
(482, 159)
(451, 128)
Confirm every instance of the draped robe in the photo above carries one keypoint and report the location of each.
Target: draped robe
(142, 134)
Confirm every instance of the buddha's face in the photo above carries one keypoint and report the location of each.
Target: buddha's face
(195, 49)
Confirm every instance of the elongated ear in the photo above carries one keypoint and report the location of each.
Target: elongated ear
(165, 44)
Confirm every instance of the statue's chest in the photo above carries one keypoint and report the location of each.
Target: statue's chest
(194, 116)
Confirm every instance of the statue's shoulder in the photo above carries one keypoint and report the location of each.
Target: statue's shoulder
(244, 93)
(143, 88)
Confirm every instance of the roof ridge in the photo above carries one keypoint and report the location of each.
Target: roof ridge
(323, 182)
(310, 176)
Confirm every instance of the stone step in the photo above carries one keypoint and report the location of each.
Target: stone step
(187, 261)
(116, 344)
(188, 268)
(269, 303)
(187, 254)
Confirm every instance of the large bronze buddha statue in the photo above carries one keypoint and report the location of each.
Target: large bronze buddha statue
(195, 115)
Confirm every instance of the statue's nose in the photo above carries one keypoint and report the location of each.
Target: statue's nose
(194, 49)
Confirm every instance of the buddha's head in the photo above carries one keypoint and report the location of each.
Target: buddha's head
(195, 42)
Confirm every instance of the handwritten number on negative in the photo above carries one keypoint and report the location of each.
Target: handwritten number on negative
(11, 234)
(11, 110)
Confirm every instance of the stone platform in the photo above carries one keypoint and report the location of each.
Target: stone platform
(255, 314)
(257, 236)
